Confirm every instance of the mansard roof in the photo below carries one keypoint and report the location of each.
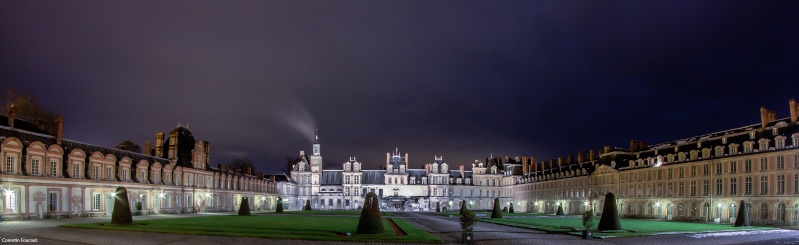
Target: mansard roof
(331, 177)
(186, 144)
(373, 177)
(28, 137)
(418, 173)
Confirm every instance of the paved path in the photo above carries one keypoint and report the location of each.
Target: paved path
(446, 228)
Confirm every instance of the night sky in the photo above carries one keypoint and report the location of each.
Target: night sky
(462, 79)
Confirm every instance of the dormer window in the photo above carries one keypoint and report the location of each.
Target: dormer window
(774, 131)
(763, 144)
(724, 140)
(779, 142)
(748, 146)
(752, 135)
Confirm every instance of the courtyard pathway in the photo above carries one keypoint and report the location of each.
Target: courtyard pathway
(446, 228)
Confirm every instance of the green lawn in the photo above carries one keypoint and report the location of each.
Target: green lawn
(326, 228)
(630, 227)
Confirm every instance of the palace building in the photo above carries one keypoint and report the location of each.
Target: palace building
(45, 176)
(702, 178)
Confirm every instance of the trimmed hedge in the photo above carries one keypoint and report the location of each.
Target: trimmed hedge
(560, 210)
(244, 207)
(371, 221)
(308, 205)
(121, 214)
(496, 213)
(610, 215)
(742, 219)
(279, 208)
(438, 207)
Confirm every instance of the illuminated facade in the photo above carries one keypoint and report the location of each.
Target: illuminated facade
(44, 176)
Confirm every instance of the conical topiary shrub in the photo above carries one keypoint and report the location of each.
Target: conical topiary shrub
(560, 210)
(463, 207)
(438, 207)
(496, 213)
(371, 221)
(279, 208)
(511, 208)
(742, 219)
(308, 205)
(121, 214)
(610, 215)
(244, 206)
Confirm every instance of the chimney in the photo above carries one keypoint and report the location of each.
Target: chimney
(406, 160)
(551, 163)
(220, 167)
(11, 111)
(524, 165)
(763, 117)
(570, 159)
(207, 151)
(249, 170)
(560, 162)
(259, 175)
(173, 145)
(59, 128)
(461, 169)
(642, 146)
(580, 157)
(772, 116)
(633, 146)
(517, 159)
(388, 158)
(533, 163)
(591, 155)
(147, 148)
(792, 107)
(272, 179)
(427, 168)
(159, 144)
(607, 149)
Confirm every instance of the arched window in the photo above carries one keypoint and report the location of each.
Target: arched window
(764, 211)
(781, 212)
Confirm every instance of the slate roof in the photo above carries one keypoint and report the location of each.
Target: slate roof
(331, 177)
(373, 177)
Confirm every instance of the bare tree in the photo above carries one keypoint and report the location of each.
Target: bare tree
(129, 146)
(289, 165)
(27, 108)
(242, 163)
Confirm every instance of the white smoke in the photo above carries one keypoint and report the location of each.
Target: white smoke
(294, 116)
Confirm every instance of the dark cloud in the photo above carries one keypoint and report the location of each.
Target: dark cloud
(459, 79)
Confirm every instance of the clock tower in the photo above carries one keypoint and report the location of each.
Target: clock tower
(316, 164)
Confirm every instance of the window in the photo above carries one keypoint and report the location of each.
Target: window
(705, 169)
(108, 173)
(748, 165)
(733, 186)
(682, 170)
(75, 170)
(733, 167)
(780, 184)
(10, 164)
(670, 189)
(52, 201)
(35, 167)
(763, 164)
(96, 172)
(747, 147)
(796, 183)
(693, 188)
(682, 189)
(733, 149)
(11, 202)
(780, 162)
(693, 170)
(718, 168)
(705, 187)
(780, 143)
(54, 168)
(96, 201)
(157, 178)
(748, 186)
(670, 172)
(719, 186)
(763, 185)
(124, 176)
(763, 145)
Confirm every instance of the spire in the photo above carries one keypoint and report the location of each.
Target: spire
(316, 137)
